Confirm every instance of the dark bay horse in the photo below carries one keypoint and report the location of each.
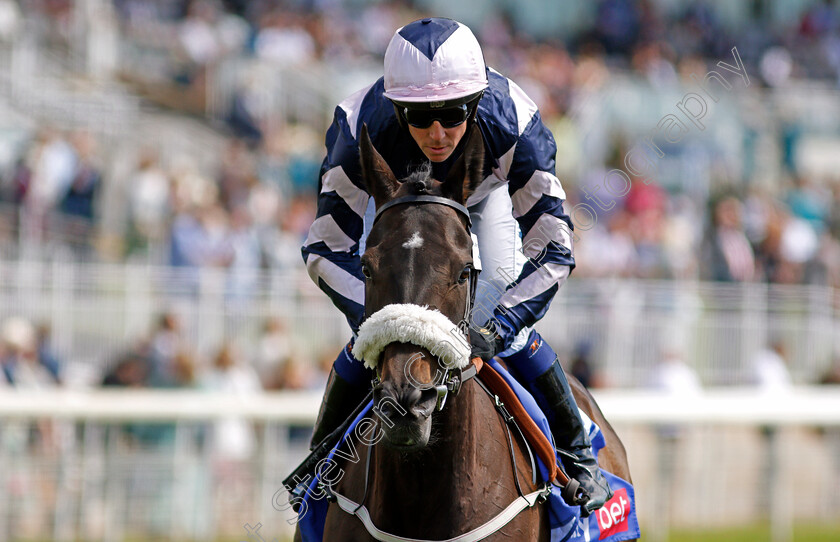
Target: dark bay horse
(436, 474)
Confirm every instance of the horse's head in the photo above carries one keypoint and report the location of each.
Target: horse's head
(417, 268)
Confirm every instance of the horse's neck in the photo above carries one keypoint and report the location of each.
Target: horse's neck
(468, 453)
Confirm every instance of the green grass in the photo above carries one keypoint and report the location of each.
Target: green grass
(758, 533)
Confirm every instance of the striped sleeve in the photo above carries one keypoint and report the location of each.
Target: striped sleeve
(331, 250)
(537, 197)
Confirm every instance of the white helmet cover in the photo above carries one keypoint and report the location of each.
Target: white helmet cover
(433, 60)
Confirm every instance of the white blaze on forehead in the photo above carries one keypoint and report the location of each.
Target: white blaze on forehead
(415, 242)
(407, 323)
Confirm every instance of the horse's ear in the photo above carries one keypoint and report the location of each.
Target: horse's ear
(468, 171)
(377, 176)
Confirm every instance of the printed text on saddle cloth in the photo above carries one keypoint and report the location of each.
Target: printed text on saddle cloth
(613, 516)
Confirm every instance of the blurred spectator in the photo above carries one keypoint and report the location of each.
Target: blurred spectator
(149, 202)
(79, 199)
(281, 39)
(304, 162)
(131, 370)
(21, 363)
(831, 377)
(819, 20)
(21, 178)
(237, 175)
(324, 366)
(10, 20)
(581, 366)
(135, 369)
(246, 112)
(682, 237)
(617, 24)
(184, 374)
(165, 344)
(77, 203)
(769, 369)
(831, 435)
(201, 238)
(700, 29)
(274, 347)
(53, 163)
(46, 355)
(232, 438)
(652, 262)
(5, 379)
(282, 244)
(797, 244)
(608, 251)
(650, 60)
(199, 41)
(294, 375)
(770, 375)
(185, 239)
(674, 376)
(730, 256)
(273, 165)
(246, 258)
(808, 202)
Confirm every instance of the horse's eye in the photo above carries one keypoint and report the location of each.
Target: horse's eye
(366, 271)
(465, 275)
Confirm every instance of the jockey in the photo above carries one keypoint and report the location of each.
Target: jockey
(435, 86)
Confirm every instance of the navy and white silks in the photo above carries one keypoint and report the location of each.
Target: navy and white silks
(523, 233)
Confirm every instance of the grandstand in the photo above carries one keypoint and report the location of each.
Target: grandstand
(158, 173)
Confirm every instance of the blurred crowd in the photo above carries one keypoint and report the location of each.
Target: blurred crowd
(253, 211)
(790, 237)
(165, 358)
(252, 208)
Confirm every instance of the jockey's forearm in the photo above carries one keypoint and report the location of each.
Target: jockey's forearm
(527, 301)
(339, 276)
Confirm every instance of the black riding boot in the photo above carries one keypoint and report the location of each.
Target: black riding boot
(340, 400)
(552, 392)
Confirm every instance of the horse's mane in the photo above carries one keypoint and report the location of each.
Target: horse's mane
(419, 181)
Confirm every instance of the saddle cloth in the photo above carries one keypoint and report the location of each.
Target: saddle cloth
(614, 522)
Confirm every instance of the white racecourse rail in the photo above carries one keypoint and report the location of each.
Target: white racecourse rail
(103, 487)
(96, 311)
(802, 406)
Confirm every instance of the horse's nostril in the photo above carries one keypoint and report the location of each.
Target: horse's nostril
(394, 404)
(386, 407)
(410, 397)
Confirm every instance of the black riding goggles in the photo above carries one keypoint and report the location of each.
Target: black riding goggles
(449, 117)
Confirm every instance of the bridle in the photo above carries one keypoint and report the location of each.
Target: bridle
(452, 380)
(439, 200)
(451, 384)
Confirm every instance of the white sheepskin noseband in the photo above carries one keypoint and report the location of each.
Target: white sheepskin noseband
(407, 323)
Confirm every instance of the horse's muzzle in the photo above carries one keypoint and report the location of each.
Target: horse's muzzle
(405, 413)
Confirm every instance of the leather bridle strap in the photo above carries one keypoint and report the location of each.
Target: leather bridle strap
(463, 211)
(479, 533)
(425, 199)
